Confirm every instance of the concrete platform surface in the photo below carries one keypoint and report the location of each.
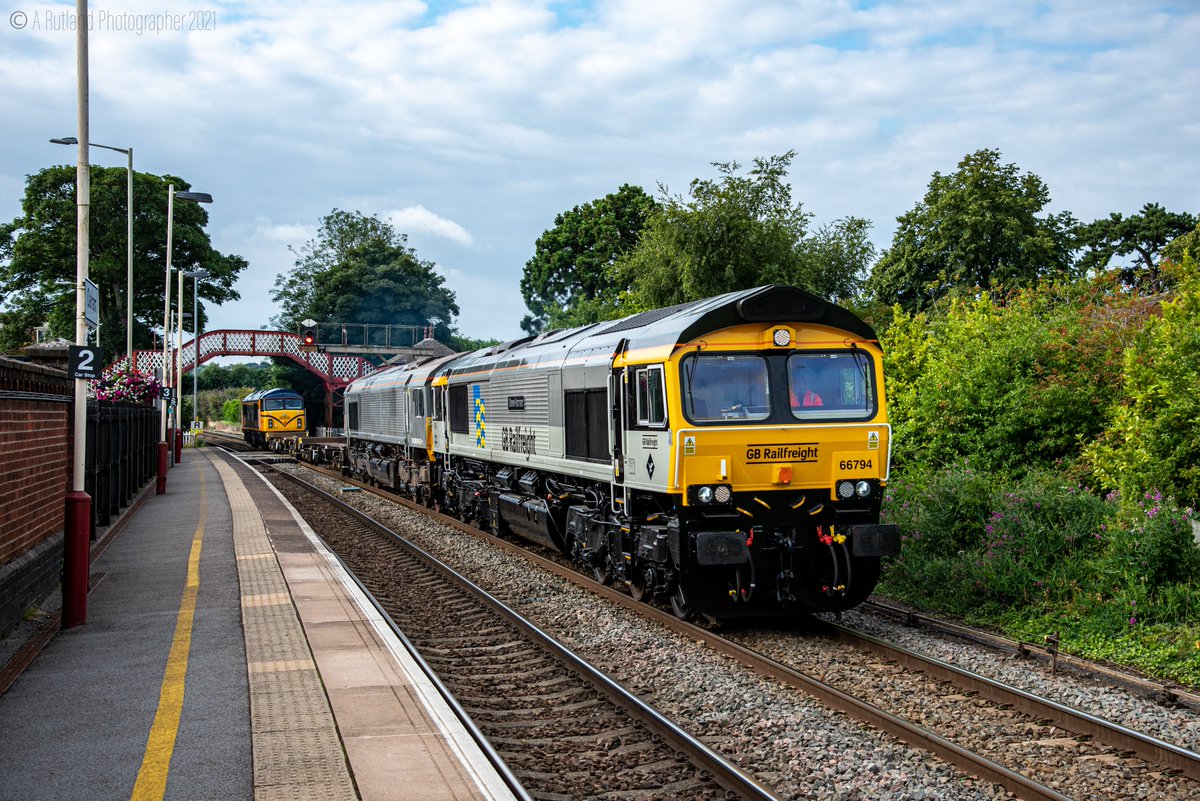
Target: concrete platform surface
(228, 656)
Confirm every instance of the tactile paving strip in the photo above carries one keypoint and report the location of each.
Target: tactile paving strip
(296, 750)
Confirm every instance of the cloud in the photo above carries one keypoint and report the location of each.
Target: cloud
(418, 219)
(293, 234)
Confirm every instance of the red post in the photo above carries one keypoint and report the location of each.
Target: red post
(161, 488)
(76, 555)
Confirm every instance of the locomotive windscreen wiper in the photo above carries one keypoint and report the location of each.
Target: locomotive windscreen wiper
(860, 359)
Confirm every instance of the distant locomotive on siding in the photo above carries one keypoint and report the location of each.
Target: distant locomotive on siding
(727, 456)
(270, 414)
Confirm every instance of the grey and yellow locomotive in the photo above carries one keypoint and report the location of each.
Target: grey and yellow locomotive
(727, 455)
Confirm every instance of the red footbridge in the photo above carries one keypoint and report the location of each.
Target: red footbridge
(334, 370)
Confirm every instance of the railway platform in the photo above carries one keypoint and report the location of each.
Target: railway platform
(227, 655)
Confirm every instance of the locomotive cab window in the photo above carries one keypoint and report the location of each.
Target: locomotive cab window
(651, 403)
(719, 386)
(831, 385)
(282, 404)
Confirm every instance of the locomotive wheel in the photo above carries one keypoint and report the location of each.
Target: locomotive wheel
(601, 572)
(680, 606)
(639, 587)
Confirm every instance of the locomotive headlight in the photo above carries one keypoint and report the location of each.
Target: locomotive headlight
(710, 494)
(782, 337)
(845, 489)
(863, 488)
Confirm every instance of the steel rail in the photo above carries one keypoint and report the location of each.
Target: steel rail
(718, 768)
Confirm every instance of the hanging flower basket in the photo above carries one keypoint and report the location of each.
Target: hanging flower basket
(126, 385)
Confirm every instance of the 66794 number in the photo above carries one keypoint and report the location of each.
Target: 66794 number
(855, 464)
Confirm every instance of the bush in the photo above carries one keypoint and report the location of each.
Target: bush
(231, 411)
(1010, 385)
(1115, 578)
(1152, 545)
(975, 543)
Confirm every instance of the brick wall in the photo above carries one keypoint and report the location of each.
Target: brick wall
(35, 473)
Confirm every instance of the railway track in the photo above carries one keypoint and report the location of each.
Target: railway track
(998, 733)
(229, 441)
(564, 730)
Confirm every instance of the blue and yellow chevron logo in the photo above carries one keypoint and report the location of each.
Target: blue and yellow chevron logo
(480, 417)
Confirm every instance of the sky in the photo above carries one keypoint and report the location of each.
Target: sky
(470, 125)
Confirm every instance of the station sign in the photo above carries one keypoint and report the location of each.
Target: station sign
(91, 303)
(85, 361)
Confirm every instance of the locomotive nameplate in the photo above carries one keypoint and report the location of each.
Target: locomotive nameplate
(802, 452)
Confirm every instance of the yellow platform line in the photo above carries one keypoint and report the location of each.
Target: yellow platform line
(151, 782)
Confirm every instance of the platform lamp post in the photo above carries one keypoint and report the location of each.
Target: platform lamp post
(163, 448)
(71, 140)
(195, 275)
(77, 522)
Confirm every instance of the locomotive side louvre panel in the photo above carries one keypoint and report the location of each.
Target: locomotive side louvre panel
(460, 415)
(382, 410)
(586, 422)
(519, 412)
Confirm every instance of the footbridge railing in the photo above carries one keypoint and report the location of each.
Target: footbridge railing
(335, 370)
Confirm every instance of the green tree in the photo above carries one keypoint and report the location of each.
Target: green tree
(735, 232)
(1141, 235)
(1153, 440)
(977, 228)
(568, 278)
(37, 252)
(844, 249)
(462, 344)
(1183, 246)
(359, 269)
